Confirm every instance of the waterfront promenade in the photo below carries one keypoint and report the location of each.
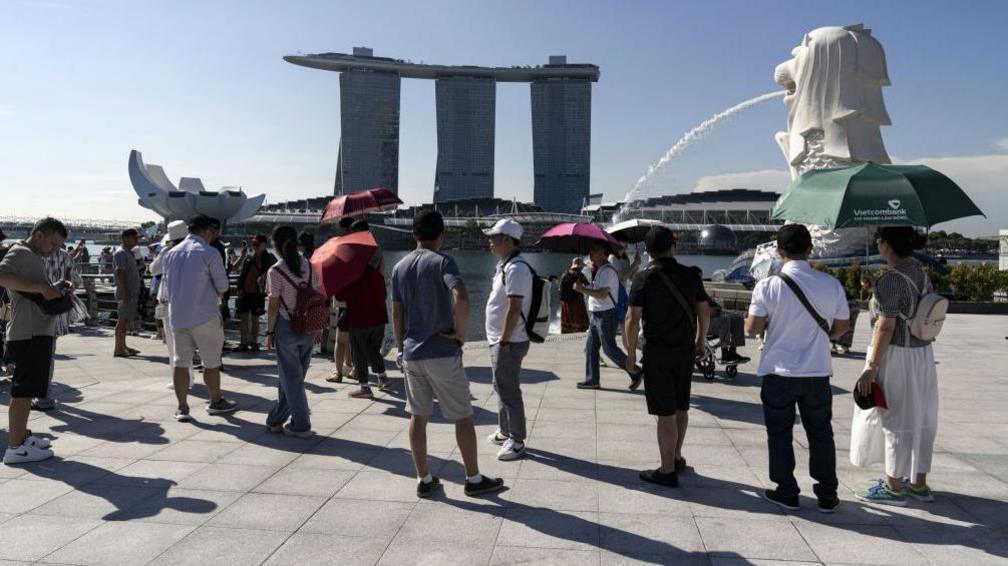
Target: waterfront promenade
(129, 485)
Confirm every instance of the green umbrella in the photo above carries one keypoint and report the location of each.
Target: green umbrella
(874, 195)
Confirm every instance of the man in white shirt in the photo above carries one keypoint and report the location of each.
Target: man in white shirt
(800, 309)
(602, 319)
(506, 312)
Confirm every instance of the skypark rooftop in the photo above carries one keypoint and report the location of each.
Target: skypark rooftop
(364, 59)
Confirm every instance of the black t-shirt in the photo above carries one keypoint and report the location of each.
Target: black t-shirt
(567, 292)
(666, 327)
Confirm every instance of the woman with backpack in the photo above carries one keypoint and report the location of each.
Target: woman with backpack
(903, 365)
(294, 350)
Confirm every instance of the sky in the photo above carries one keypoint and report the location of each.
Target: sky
(201, 88)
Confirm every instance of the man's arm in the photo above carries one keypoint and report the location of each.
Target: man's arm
(839, 328)
(755, 324)
(120, 275)
(703, 311)
(17, 283)
(398, 325)
(630, 329)
(218, 275)
(461, 297)
(511, 319)
(272, 313)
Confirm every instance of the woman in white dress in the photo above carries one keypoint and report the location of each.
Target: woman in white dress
(904, 366)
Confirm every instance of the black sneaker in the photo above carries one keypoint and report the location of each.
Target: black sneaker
(486, 485)
(667, 479)
(588, 385)
(182, 415)
(221, 407)
(789, 502)
(635, 380)
(829, 504)
(427, 489)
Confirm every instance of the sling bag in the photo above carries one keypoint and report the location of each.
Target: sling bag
(690, 314)
(805, 302)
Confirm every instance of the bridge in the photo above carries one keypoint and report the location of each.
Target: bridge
(86, 228)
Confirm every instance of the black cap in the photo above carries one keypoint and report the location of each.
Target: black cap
(129, 233)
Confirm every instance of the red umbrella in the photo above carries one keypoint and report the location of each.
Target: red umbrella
(359, 203)
(571, 237)
(341, 261)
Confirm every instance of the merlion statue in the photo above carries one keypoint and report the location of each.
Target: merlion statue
(835, 110)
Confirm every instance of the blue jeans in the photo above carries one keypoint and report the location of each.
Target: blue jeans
(601, 334)
(294, 354)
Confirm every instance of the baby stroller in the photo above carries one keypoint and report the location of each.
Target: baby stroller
(712, 360)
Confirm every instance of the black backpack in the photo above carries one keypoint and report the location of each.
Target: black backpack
(537, 327)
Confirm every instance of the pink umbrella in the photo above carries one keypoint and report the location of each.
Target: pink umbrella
(571, 237)
(359, 203)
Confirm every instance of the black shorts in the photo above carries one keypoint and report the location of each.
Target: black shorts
(667, 383)
(31, 359)
(254, 303)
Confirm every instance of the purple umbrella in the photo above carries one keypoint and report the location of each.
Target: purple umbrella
(571, 237)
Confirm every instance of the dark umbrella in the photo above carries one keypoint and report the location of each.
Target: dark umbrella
(633, 231)
(571, 237)
(359, 203)
(341, 261)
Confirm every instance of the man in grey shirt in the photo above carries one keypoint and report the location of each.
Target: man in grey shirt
(29, 334)
(429, 310)
(127, 292)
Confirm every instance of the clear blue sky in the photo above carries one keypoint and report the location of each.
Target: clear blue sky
(200, 88)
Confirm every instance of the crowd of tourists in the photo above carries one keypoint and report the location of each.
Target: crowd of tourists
(661, 307)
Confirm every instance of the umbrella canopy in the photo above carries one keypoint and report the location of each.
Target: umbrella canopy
(632, 231)
(341, 261)
(874, 195)
(359, 203)
(574, 237)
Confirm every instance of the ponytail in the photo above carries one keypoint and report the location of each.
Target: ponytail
(286, 244)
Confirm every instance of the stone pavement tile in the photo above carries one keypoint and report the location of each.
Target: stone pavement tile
(377, 422)
(420, 552)
(729, 503)
(20, 495)
(381, 486)
(858, 544)
(397, 461)
(97, 501)
(310, 549)
(703, 475)
(259, 455)
(769, 537)
(179, 507)
(359, 518)
(956, 546)
(268, 512)
(943, 510)
(229, 433)
(195, 451)
(71, 444)
(545, 528)
(987, 511)
(31, 537)
(728, 561)
(228, 477)
(640, 418)
(152, 473)
(548, 430)
(333, 454)
(630, 558)
(126, 449)
(522, 556)
(437, 443)
(453, 470)
(305, 481)
(673, 536)
(120, 544)
(643, 498)
(712, 455)
(626, 450)
(371, 437)
(555, 495)
(74, 470)
(571, 417)
(213, 545)
(540, 465)
(453, 521)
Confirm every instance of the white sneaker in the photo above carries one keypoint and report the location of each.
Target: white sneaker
(26, 453)
(37, 440)
(497, 438)
(511, 450)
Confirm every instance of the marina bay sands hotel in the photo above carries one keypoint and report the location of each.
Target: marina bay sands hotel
(466, 107)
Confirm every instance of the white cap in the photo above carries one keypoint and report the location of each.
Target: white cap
(177, 230)
(506, 226)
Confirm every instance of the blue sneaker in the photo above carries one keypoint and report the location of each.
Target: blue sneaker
(879, 493)
(919, 493)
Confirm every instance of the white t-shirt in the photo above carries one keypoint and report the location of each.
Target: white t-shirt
(795, 345)
(605, 278)
(517, 282)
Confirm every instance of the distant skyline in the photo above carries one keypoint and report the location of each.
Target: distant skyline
(202, 89)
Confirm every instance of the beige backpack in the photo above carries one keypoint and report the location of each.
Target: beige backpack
(927, 319)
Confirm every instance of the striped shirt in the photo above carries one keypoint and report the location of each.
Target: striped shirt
(893, 295)
(277, 286)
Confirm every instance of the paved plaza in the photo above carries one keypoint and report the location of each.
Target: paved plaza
(129, 485)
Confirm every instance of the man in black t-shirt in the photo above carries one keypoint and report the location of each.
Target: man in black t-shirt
(675, 325)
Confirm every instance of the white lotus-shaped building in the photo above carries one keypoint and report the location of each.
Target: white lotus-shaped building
(157, 193)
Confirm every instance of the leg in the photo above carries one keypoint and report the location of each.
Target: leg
(668, 442)
(121, 327)
(418, 444)
(779, 414)
(342, 349)
(375, 358)
(211, 377)
(359, 354)
(592, 344)
(608, 335)
(465, 436)
(682, 422)
(17, 420)
(502, 414)
(243, 326)
(296, 396)
(46, 401)
(181, 379)
(253, 330)
(506, 368)
(816, 409)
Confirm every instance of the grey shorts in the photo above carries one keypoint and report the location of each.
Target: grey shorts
(443, 379)
(128, 310)
(207, 337)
